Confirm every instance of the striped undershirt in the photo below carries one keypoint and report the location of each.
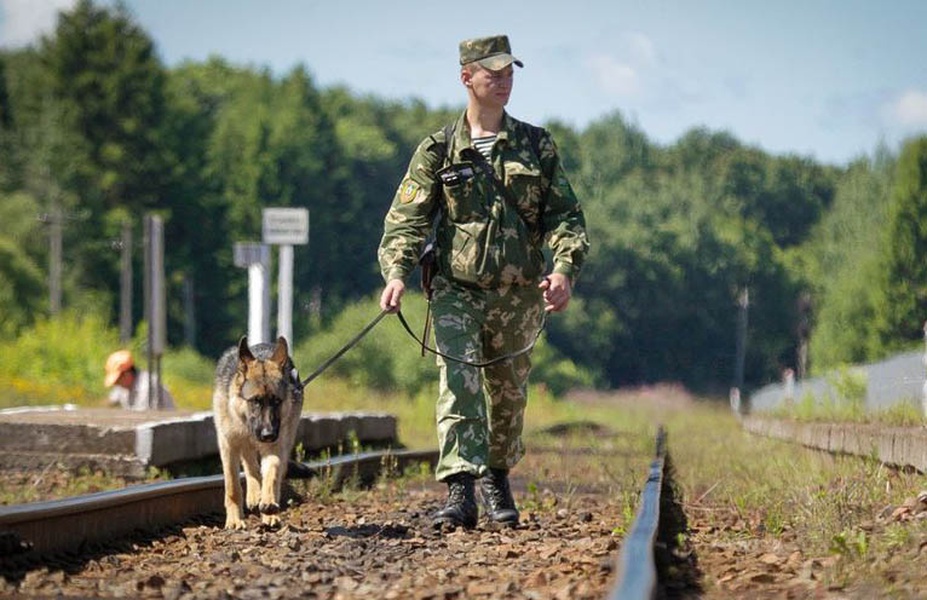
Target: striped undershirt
(484, 145)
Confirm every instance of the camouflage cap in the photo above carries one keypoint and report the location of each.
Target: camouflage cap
(493, 53)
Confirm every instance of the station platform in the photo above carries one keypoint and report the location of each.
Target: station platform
(128, 443)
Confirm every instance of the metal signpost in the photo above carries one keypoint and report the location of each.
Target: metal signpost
(285, 227)
(256, 258)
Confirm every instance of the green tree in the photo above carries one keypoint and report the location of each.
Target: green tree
(904, 274)
(105, 70)
(795, 194)
(200, 256)
(841, 262)
(7, 147)
(105, 102)
(376, 140)
(22, 286)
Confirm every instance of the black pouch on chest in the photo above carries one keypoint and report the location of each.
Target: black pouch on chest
(455, 174)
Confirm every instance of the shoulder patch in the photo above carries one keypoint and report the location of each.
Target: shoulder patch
(408, 189)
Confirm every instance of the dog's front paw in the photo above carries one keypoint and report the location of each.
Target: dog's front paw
(271, 508)
(270, 520)
(234, 522)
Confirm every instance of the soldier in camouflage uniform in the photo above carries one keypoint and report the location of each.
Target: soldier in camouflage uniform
(493, 191)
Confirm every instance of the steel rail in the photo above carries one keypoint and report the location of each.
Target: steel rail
(637, 572)
(67, 525)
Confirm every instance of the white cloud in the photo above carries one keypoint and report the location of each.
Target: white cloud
(641, 49)
(22, 22)
(614, 76)
(910, 109)
(620, 70)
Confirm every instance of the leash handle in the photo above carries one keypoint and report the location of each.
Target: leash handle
(427, 329)
(472, 363)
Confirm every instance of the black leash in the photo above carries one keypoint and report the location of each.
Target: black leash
(346, 347)
(472, 363)
(353, 342)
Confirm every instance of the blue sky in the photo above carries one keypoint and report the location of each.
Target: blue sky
(827, 79)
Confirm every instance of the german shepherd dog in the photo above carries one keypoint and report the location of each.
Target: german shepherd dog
(257, 403)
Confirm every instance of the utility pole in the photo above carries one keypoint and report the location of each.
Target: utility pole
(54, 260)
(743, 304)
(804, 333)
(189, 312)
(924, 389)
(155, 302)
(125, 287)
(47, 185)
(55, 218)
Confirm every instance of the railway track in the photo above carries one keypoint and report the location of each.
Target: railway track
(637, 569)
(45, 528)
(32, 535)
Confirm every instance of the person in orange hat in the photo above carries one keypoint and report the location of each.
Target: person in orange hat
(134, 389)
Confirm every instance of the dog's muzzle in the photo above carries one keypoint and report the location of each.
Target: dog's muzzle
(268, 434)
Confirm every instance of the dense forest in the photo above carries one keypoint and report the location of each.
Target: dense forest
(691, 242)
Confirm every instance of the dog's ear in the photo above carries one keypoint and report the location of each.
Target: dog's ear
(281, 352)
(244, 352)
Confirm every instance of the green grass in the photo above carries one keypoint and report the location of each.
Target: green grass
(56, 482)
(60, 361)
(830, 503)
(830, 409)
(846, 403)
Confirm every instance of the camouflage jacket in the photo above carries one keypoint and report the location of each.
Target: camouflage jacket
(484, 238)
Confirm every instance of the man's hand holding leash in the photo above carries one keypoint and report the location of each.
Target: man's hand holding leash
(391, 298)
(557, 292)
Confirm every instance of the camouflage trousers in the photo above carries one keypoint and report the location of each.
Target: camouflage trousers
(480, 411)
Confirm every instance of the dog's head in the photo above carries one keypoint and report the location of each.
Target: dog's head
(265, 386)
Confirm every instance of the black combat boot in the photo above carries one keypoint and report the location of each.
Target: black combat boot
(460, 510)
(498, 496)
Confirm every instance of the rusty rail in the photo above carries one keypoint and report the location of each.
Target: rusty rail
(56, 526)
